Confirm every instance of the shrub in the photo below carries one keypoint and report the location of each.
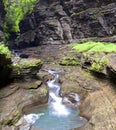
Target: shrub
(15, 11)
(5, 51)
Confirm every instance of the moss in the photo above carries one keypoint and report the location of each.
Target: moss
(5, 51)
(87, 74)
(95, 47)
(27, 63)
(99, 64)
(15, 11)
(69, 61)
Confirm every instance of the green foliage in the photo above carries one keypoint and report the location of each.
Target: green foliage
(99, 64)
(15, 11)
(4, 51)
(69, 61)
(96, 47)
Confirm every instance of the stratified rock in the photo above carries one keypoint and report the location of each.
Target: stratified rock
(48, 24)
(25, 69)
(2, 14)
(59, 22)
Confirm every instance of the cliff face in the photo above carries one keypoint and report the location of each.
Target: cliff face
(64, 21)
(93, 19)
(48, 24)
(2, 13)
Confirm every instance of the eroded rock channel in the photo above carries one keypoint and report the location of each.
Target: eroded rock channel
(59, 113)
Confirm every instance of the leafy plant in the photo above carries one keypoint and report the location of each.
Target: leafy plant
(99, 64)
(15, 11)
(4, 51)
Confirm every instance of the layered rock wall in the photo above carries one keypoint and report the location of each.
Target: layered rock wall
(2, 13)
(49, 24)
(65, 21)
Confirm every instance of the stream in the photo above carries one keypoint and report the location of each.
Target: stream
(55, 115)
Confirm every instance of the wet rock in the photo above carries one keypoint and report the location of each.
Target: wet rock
(44, 76)
(71, 99)
(22, 124)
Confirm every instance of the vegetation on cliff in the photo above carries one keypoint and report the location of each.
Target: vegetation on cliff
(4, 51)
(15, 11)
(96, 47)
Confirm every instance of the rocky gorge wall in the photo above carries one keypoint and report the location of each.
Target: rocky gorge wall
(65, 21)
(2, 13)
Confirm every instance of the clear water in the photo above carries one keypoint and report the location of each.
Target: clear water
(51, 120)
(55, 115)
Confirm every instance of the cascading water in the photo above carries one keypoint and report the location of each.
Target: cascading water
(55, 115)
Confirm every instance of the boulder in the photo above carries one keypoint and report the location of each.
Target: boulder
(25, 69)
(5, 64)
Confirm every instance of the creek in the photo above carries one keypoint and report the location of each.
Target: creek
(55, 115)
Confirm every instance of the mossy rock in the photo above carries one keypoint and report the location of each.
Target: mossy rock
(5, 64)
(69, 61)
(26, 68)
(95, 62)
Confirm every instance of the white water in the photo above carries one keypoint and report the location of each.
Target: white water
(31, 118)
(54, 97)
(55, 115)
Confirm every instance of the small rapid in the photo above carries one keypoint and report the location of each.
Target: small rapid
(55, 115)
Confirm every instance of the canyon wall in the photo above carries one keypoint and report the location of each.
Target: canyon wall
(2, 14)
(65, 21)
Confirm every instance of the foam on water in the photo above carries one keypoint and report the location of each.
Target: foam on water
(31, 118)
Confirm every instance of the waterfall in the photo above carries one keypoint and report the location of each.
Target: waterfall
(55, 100)
(56, 115)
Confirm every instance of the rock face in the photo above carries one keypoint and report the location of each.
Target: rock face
(62, 21)
(2, 13)
(49, 24)
(5, 70)
(25, 69)
(94, 19)
(5, 64)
